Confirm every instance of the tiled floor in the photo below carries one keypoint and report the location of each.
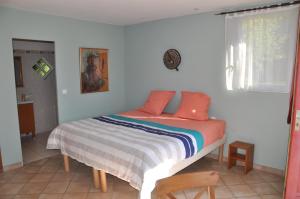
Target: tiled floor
(35, 148)
(46, 179)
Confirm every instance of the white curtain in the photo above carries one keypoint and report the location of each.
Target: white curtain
(260, 49)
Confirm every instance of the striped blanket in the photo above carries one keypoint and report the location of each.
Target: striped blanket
(136, 151)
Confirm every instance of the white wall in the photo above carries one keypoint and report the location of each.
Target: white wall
(43, 92)
(259, 118)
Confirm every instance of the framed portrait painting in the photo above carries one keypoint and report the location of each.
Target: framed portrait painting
(93, 70)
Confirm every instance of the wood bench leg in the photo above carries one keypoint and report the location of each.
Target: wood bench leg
(96, 178)
(66, 163)
(103, 181)
(221, 151)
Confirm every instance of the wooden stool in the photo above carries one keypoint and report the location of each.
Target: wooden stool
(233, 154)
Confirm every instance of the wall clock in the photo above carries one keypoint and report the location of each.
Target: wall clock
(172, 59)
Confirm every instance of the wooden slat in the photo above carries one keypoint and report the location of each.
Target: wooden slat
(237, 156)
(187, 181)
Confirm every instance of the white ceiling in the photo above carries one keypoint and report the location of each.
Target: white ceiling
(127, 12)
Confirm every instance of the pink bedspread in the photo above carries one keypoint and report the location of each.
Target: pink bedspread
(212, 130)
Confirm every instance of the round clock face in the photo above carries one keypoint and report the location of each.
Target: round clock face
(172, 59)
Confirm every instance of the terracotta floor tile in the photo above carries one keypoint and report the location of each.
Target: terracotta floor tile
(7, 196)
(28, 196)
(239, 170)
(271, 177)
(39, 162)
(46, 179)
(75, 196)
(49, 169)
(80, 177)
(275, 196)
(241, 190)
(30, 169)
(56, 187)
(5, 177)
(122, 186)
(278, 186)
(263, 188)
(77, 187)
(21, 177)
(250, 197)
(33, 188)
(232, 179)
(50, 196)
(62, 177)
(125, 195)
(223, 192)
(252, 178)
(41, 177)
(35, 149)
(10, 189)
(99, 195)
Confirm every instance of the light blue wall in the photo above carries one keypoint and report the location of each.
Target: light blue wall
(254, 117)
(259, 118)
(68, 35)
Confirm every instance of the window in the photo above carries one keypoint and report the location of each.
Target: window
(260, 49)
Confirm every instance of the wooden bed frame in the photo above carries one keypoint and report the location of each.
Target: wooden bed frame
(99, 176)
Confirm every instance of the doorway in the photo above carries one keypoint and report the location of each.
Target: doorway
(35, 78)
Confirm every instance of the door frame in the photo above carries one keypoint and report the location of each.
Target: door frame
(293, 162)
(56, 83)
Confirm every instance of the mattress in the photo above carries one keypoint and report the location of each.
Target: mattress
(211, 130)
(133, 144)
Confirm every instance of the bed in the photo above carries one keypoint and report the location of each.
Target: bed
(137, 147)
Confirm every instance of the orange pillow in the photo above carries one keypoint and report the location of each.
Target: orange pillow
(157, 101)
(193, 105)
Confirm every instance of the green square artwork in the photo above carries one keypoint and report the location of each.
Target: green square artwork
(43, 68)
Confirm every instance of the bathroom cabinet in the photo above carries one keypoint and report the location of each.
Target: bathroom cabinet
(26, 118)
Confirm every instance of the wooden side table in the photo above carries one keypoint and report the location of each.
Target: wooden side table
(233, 154)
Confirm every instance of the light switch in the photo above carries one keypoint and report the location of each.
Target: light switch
(64, 91)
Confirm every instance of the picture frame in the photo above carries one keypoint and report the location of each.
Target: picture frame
(93, 70)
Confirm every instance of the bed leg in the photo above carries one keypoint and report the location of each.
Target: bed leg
(103, 181)
(96, 178)
(221, 151)
(211, 192)
(66, 163)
